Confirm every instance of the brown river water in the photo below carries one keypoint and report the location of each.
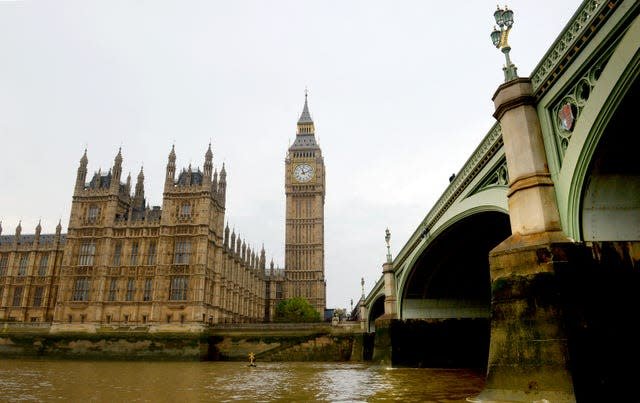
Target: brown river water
(119, 381)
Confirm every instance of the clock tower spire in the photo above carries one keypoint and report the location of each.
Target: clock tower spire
(304, 232)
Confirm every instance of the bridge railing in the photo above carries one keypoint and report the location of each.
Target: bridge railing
(488, 147)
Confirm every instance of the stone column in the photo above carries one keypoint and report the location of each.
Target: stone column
(528, 355)
(386, 325)
(363, 316)
(390, 310)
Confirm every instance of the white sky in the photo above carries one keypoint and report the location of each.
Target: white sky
(400, 92)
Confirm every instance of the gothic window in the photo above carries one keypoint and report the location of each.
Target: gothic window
(117, 253)
(148, 288)
(22, 268)
(185, 210)
(178, 290)
(87, 252)
(17, 296)
(113, 289)
(4, 263)
(37, 296)
(134, 254)
(92, 215)
(151, 253)
(182, 251)
(42, 266)
(131, 289)
(81, 289)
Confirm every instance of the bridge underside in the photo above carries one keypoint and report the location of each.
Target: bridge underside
(377, 310)
(603, 339)
(451, 278)
(446, 301)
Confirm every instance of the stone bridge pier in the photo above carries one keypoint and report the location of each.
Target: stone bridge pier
(528, 352)
(528, 264)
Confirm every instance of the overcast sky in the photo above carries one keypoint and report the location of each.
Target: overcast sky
(400, 92)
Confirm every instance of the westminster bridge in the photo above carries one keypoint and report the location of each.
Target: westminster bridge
(529, 262)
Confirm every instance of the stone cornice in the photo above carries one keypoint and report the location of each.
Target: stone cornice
(523, 84)
(583, 24)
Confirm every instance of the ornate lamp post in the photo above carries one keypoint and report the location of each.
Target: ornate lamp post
(504, 19)
(387, 238)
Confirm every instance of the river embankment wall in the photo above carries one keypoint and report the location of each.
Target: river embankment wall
(268, 342)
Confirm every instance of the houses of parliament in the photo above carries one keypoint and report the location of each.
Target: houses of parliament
(122, 262)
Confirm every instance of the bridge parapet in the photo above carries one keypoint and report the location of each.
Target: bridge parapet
(486, 150)
(585, 22)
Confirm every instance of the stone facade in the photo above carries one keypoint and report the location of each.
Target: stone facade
(123, 262)
(304, 237)
(178, 265)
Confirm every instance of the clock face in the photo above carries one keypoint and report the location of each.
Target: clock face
(303, 173)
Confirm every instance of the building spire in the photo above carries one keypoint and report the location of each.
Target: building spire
(305, 123)
(305, 116)
(208, 165)
(82, 172)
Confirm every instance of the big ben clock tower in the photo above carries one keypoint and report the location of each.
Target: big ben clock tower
(304, 235)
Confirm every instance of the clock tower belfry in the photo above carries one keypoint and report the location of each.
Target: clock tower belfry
(304, 233)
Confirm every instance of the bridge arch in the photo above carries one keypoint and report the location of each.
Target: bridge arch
(599, 185)
(377, 310)
(600, 170)
(445, 298)
(454, 266)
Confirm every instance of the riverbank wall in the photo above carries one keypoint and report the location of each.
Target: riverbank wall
(268, 342)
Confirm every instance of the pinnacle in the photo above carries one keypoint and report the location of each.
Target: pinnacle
(305, 117)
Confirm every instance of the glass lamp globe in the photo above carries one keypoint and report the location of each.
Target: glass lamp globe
(498, 15)
(495, 37)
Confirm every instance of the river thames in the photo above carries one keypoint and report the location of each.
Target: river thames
(121, 381)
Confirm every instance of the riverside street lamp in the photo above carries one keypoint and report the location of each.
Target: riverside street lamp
(504, 19)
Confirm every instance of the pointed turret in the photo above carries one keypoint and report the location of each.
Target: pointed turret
(138, 196)
(263, 258)
(233, 241)
(208, 165)
(187, 177)
(305, 123)
(116, 171)
(128, 185)
(222, 186)
(38, 231)
(81, 177)
(238, 246)
(214, 183)
(243, 251)
(226, 236)
(16, 239)
(58, 232)
(171, 169)
(0, 227)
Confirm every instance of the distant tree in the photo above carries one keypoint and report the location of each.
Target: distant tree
(296, 310)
